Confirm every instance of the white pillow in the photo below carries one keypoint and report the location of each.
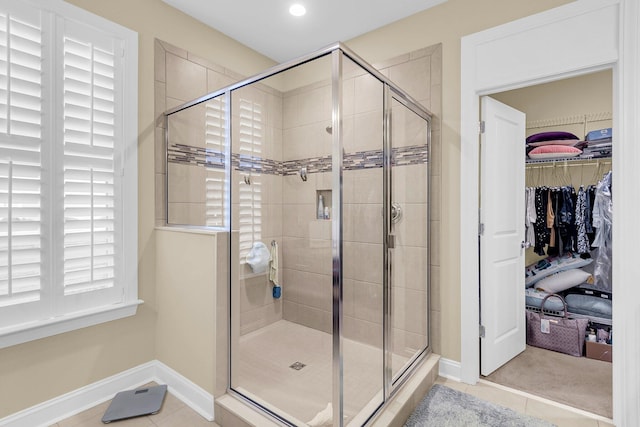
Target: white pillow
(564, 280)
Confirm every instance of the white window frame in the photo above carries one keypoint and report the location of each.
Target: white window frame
(127, 165)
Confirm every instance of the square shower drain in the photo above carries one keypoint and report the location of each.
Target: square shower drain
(297, 366)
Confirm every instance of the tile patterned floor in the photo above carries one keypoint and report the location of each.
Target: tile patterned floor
(174, 413)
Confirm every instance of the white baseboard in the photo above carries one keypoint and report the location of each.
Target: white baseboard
(449, 369)
(69, 404)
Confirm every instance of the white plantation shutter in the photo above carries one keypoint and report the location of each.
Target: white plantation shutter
(91, 205)
(21, 162)
(68, 169)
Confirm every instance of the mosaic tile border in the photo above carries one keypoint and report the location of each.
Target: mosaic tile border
(197, 156)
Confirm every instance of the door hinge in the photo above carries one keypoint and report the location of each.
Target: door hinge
(481, 126)
(481, 229)
(481, 331)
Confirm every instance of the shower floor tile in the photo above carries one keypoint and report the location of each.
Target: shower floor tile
(265, 372)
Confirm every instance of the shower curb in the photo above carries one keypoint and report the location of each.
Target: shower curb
(230, 411)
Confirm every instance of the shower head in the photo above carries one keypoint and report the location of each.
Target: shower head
(329, 129)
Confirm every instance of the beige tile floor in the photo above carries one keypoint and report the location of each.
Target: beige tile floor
(174, 413)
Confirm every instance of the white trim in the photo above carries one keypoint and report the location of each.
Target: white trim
(72, 403)
(184, 389)
(45, 328)
(622, 29)
(449, 369)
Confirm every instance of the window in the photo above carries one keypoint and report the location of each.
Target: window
(68, 170)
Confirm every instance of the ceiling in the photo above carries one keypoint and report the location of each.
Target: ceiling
(267, 27)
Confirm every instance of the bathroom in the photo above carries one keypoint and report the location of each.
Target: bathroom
(282, 207)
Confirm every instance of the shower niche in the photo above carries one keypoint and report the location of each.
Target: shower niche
(259, 159)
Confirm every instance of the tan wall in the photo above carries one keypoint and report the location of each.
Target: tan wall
(446, 24)
(33, 372)
(187, 298)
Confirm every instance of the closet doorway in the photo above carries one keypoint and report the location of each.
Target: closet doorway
(575, 106)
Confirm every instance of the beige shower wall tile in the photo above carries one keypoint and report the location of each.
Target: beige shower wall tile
(160, 151)
(362, 222)
(362, 261)
(409, 312)
(315, 318)
(159, 61)
(160, 104)
(255, 292)
(348, 96)
(217, 80)
(173, 49)
(369, 305)
(435, 287)
(315, 290)
(306, 141)
(410, 184)
(406, 344)
(435, 232)
(363, 331)
(296, 191)
(435, 331)
(272, 221)
(188, 127)
(411, 230)
(313, 256)
(436, 204)
(368, 94)
(186, 80)
(186, 213)
(161, 200)
(298, 219)
(410, 268)
(315, 106)
(367, 132)
(186, 184)
(362, 186)
(260, 317)
(413, 77)
(290, 309)
(348, 297)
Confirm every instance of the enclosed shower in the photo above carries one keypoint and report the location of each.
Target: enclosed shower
(319, 169)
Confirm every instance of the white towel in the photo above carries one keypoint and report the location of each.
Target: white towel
(273, 269)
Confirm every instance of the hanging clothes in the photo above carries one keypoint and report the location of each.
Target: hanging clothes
(530, 215)
(602, 221)
(540, 226)
(582, 240)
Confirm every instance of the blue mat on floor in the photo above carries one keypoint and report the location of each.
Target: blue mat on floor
(445, 407)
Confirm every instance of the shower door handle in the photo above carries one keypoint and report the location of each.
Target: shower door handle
(391, 241)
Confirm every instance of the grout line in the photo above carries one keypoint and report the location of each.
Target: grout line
(546, 401)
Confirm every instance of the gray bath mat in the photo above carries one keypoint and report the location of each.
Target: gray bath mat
(444, 407)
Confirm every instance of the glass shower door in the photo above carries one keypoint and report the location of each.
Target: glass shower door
(408, 224)
(363, 248)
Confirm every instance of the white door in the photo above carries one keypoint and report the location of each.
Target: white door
(502, 234)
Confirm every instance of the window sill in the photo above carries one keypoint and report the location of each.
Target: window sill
(46, 328)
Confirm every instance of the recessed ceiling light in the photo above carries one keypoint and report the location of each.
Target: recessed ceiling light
(297, 9)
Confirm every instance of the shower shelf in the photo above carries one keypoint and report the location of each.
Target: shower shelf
(326, 199)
